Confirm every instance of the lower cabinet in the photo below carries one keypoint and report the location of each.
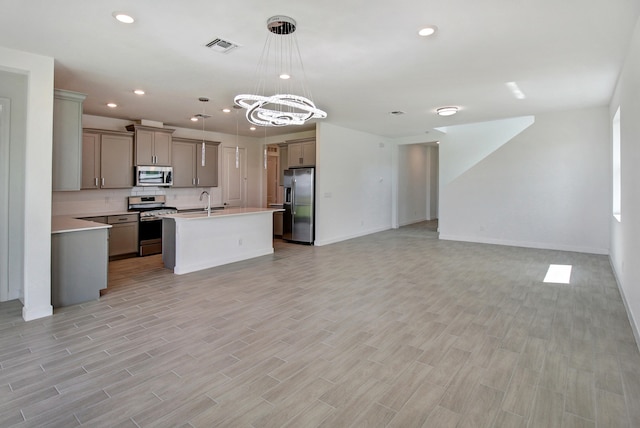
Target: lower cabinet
(188, 168)
(123, 235)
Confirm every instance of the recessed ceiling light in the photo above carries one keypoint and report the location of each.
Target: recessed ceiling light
(112, 105)
(285, 76)
(194, 119)
(447, 111)
(253, 128)
(123, 17)
(427, 31)
(138, 92)
(226, 110)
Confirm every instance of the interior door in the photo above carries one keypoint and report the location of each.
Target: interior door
(234, 176)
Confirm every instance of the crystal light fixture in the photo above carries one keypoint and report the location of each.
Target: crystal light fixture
(280, 75)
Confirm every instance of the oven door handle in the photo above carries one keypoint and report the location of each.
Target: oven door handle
(150, 218)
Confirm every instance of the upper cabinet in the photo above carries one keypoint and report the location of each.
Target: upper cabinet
(107, 159)
(67, 139)
(152, 145)
(188, 168)
(301, 153)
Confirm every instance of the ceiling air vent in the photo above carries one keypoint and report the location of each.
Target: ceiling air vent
(222, 46)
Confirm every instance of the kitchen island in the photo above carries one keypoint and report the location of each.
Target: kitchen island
(198, 240)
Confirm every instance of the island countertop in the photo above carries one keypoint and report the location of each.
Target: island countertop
(236, 211)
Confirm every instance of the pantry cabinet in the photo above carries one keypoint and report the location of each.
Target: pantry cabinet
(188, 168)
(107, 159)
(152, 145)
(67, 140)
(301, 153)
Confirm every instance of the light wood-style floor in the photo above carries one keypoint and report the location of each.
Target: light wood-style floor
(395, 329)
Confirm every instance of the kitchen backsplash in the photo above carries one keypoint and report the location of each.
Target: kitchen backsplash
(115, 200)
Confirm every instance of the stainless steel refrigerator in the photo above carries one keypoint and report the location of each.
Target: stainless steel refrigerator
(299, 196)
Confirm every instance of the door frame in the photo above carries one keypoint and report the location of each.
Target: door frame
(5, 136)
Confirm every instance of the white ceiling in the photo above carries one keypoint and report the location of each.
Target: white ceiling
(361, 61)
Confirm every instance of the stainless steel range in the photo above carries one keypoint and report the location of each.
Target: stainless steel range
(151, 208)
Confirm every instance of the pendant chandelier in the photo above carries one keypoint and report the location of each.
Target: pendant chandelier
(281, 97)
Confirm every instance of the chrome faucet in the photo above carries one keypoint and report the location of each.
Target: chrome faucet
(208, 209)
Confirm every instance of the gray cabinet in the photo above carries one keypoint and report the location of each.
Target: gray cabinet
(123, 237)
(284, 161)
(67, 140)
(107, 159)
(152, 145)
(188, 168)
(301, 153)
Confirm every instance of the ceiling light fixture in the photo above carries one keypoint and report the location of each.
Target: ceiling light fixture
(194, 119)
(280, 57)
(447, 111)
(226, 110)
(202, 116)
(123, 17)
(427, 31)
(138, 91)
(112, 105)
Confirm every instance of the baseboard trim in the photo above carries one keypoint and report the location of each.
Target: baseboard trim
(321, 242)
(630, 317)
(526, 244)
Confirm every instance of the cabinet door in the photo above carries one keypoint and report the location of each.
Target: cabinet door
(116, 162)
(90, 161)
(309, 153)
(144, 147)
(284, 161)
(295, 155)
(123, 239)
(207, 175)
(67, 143)
(162, 148)
(183, 158)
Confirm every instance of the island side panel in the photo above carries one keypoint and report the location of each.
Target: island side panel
(169, 243)
(202, 243)
(79, 265)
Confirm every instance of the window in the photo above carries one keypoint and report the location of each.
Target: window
(617, 179)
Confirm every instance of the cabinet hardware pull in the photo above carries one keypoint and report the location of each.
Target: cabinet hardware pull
(198, 181)
(96, 180)
(193, 181)
(102, 181)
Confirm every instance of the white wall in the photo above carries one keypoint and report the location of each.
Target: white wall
(353, 177)
(548, 187)
(433, 154)
(625, 235)
(32, 175)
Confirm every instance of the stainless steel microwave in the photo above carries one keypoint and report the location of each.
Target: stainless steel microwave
(159, 176)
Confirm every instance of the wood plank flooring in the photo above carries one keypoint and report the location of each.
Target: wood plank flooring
(395, 329)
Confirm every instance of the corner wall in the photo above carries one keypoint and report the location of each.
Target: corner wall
(353, 184)
(35, 172)
(625, 235)
(548, 187)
